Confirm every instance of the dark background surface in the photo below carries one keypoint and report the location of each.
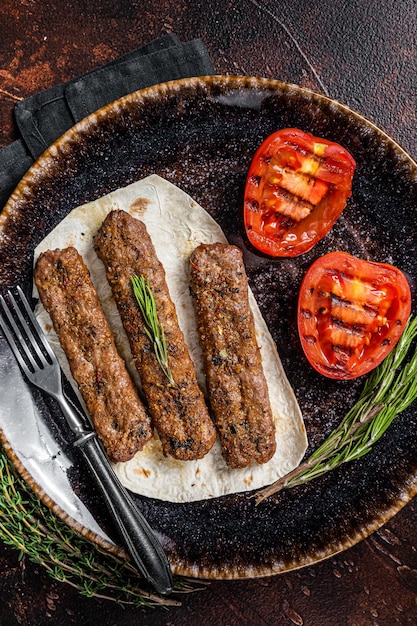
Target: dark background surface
(361, 53)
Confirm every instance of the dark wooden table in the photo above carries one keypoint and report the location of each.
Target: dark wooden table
(361, 53)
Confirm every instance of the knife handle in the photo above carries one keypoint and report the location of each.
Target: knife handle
(135, 532)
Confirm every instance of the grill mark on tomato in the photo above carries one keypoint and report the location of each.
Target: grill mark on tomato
(322, 161)
(298, 209)
(360, 329)
(357, 307)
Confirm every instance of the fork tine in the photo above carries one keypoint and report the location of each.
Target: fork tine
(36, 327)
(27, 331)
(11, 340)
(36, 324)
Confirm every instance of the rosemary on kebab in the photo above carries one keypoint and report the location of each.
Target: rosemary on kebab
(153, 328)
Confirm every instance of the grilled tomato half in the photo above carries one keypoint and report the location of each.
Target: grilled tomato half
(296, 188)
(351, 313)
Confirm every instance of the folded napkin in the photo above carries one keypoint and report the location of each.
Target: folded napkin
(44, 117)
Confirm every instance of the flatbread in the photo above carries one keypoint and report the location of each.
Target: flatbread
(177, 225)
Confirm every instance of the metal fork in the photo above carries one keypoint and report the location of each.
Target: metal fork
(39, 364)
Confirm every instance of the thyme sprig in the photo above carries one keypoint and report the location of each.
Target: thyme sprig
(27, 525)
(153, 328)
(388, 391)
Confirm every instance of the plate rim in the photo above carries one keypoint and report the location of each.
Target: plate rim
(36, 170)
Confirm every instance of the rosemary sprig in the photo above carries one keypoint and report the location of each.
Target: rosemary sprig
(388, 391)
(153, 328)
(27, 525)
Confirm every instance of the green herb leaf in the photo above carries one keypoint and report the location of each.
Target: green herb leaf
(36, 533)
(388, 391)
(153, 329)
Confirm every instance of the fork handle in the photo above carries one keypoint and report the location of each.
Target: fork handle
(135, 532)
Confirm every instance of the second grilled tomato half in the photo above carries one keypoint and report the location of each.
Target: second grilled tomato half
(351, 314)
(297, 186)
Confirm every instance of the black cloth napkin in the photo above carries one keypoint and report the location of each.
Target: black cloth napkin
(45, 116)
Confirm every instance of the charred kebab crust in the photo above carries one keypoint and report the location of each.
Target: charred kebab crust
(236, 383)
(67, 293)
(179, 412)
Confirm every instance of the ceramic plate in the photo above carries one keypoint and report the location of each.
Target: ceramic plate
(200, 134)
